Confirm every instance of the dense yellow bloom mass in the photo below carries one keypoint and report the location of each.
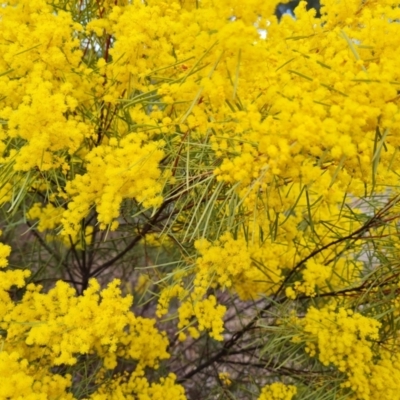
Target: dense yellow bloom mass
(20, 381)
(266, 110)
(346, 340)
(47, 330)
(114, 173)
(229, 263)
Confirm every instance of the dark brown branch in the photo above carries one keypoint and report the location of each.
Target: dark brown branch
(53, 254)
(146, 228)
(374, 221)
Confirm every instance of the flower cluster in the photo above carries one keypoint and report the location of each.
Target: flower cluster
(114, 172)
(277, 391)
(47, 332)
(208, 314)
(345, 339)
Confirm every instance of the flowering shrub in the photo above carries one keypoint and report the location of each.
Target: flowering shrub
(244, 190)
